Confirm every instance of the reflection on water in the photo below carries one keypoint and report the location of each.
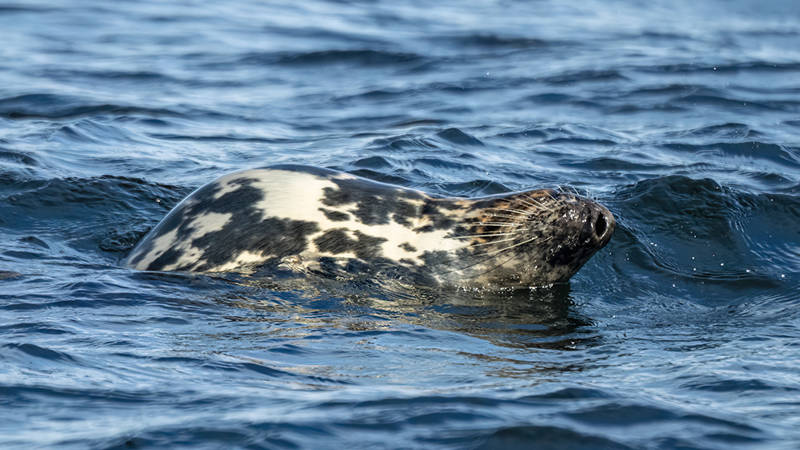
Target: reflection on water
(524, 318)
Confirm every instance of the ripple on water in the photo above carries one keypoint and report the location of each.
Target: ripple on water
(59, 106)
(681, 333)
(363, 58)
(457, 136)
(40, 352)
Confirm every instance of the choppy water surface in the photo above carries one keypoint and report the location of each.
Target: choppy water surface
(682, 117)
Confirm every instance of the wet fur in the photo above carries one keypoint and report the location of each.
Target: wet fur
(310, 219)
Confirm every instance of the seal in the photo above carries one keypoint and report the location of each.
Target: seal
(313, 220)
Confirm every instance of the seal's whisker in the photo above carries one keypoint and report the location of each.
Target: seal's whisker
(537, 203)
(522, 200)
(483, 235)
(498, 224)
(497, 233)
(493, 242)
(505, 219)
(557, 200)
(568, 189)
(496, 252)
(515, 211)
(515, 245)
(499, 216)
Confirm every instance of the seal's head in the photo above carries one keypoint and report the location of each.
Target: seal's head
(532, 238)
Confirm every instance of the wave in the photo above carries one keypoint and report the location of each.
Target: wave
(364, 58)
(707, 234)
(59, 106)
(99, 214)
(496, 41)
(734, 67)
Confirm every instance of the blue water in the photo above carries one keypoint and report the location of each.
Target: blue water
(682, 117)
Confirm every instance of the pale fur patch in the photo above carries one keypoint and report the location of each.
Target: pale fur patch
(297, 196)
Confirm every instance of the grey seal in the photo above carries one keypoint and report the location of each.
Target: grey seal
(314, 220)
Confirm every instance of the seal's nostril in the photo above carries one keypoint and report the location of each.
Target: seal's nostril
(600, 226)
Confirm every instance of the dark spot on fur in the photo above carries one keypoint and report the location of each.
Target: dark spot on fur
(336, 197)
(338, 241)
(438, 220)
(368, 246)
(329, 266)
(375, 212)
(464, 253)
(246, 230)
(436, 258)
(334, 241)
(273, 236)
(402, 220)
(371, 202)
(407, 247)
(167, 258)
(370, 209)
(335, 216)
(403, 212)
(448, 205)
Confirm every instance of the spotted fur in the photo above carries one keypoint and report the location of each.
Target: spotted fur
(334, 223)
